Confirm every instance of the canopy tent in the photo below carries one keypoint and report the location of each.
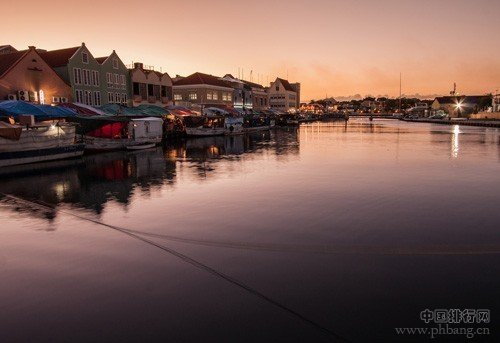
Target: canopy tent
(180, 110)
(15, 108)
(152, 110)
(82, 109)
(91, 123)
(141, 110)
(223, 111)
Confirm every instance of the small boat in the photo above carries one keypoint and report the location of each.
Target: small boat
(258, 122)
(141, 146)
(104, 133)
(37, 143)
(233, 121)
(204, 126)
(213, 122)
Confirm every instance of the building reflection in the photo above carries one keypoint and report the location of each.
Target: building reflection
(91, 182)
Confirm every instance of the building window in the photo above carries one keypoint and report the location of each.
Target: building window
(97, 98)
(117, 98)
(150, 90)
(277, 88)
(177, 96)
(122, 79)
(117, 79)
(110, 98)
(215, 96)
(136, 88)
(209, 95)
(77, 76)
(193, 96)
(86, 77)
(95, 78)
(109, 79)
(85, 58)
(124, 98)
(115, 63)
(79, 95)
(87, 99)
(163, 91)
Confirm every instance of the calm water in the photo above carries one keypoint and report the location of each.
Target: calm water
(357, 228)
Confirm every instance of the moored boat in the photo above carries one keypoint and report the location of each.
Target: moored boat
(233, 121)
(37, 143)
(213, 122)
(103, 133)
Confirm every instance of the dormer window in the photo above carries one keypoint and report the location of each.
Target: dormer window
(277, 88)
(115, 63)
(85, 58)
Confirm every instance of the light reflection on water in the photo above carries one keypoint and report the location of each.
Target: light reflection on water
(326, 218)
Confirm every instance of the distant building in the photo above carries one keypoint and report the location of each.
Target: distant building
(247, 94)
(260, 99)
(150, 86)
(284, 96)
(461, 106)
(203, 89)
(24, 75)
(94, 81)
(242, 93)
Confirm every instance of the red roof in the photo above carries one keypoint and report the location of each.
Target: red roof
(202, 79)
(8, 60)
(59, 58)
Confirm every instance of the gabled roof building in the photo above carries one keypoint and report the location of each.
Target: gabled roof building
(150, 86)
(94, 81)
(284, 96)
(25, 75)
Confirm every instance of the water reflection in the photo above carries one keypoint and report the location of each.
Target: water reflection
(89, 183)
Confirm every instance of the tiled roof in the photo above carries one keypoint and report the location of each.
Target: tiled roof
(202, 79)
(101, 60)
(286, 85)
(59, 58)
(252, 84)
(8, 60)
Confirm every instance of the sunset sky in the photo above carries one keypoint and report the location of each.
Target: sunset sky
(334, 47)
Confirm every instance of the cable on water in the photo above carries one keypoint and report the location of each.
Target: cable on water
(329, 333)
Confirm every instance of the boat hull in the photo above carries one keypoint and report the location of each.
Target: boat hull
(109, 144)
(40, 155)
(202, 131)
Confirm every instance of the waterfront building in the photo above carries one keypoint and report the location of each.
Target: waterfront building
(284, 96)
(461, 105)
(242, 93)
(115, 78)
(248, 95)
(25, 75)
(203, 90)
(93, 81)
(150, 86)
(259, 96)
